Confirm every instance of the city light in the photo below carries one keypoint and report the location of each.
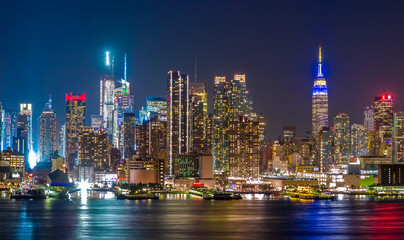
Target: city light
(32, 159)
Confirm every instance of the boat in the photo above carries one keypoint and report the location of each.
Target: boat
(137, 197)
(29, 194)
(218, 196)
(306, 196)
(237, 197)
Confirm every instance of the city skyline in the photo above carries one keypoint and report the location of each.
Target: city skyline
(350, 75)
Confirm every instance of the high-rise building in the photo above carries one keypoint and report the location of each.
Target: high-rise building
(178, 115)
(62, 141)
(97, 122)
(1, 127)
(48, 133)
(9, 126)
(128, 135)
(398, 138)
(199, 112)
(150, 138)
(384, 118)
(93, 148)
(359, 140)
(342, 139)
(244, 148)
(326, 148)
(221, 122)
(319, 101)
(21, 139)
(122, 105)
(262, 127)
(288, 134)
(157, 105)
(107, 101)
(26, 110)
(369, 120)
(241, 103)
(75, 119)
(209, 131)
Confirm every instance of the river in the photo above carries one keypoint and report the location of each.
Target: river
(180, 216)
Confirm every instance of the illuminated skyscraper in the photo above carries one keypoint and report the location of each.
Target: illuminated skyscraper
(2, 112)
(9, 127)
(359, 140)
(342, 139)
(241, 102)
(178, 115)
(384, 118)
(157, 106)
(62, 141)
(326, 148)
(199, 112)
(209, 131)
(48, 133)
(319, 101)
(398, 138)
(123, 104)
(107, 101)
(244, 148)
(221, 122)
(369, 120)
(93, 148)
(150, 138)
(128, 134)
(97, 122)
(75, 119)
(26, 110)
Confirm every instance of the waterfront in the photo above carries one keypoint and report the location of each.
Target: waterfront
(180, 216)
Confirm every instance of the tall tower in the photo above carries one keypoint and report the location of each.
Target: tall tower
(244, 147)
(319, 100)
(107, 87)
(75, 118)
(241, 103)
(26, 110)
(178, 115)
(199, 111)
(342, 139)
(48, 133)
(221, 124)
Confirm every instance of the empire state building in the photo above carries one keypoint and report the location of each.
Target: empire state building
(319, 101)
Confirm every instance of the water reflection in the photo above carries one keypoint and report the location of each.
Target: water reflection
(181, 216)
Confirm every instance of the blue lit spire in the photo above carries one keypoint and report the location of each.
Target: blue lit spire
(319, 72)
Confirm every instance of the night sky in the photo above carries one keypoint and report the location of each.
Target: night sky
(57, 47)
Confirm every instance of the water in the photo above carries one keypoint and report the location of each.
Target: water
(186, 217)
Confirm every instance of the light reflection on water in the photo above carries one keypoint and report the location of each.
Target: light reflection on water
(181, 216)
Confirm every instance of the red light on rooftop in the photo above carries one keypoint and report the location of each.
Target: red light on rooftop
(70, 97)
(383, 97)
(389, 97)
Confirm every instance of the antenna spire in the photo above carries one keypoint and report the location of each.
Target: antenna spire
(124, 74)
(195, 69)
(319, 72)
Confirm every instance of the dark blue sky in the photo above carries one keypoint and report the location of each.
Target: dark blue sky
(55, 47)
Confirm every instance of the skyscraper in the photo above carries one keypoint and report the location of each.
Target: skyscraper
(244, 148)
(150, 138)
(62, 141)
(326, 147)
(107, 101)
(178, 115)
(48, 133)
(359, 140)
(199, 112)
(319, 101)
(26, 110)
(75, 118)
(93, 148)
(369, 120)
(128, 134)
(157, 105)
(221, 123)
(342, 147)
(241, 103)
(398, 138)
(9, 126)
(384, 118)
